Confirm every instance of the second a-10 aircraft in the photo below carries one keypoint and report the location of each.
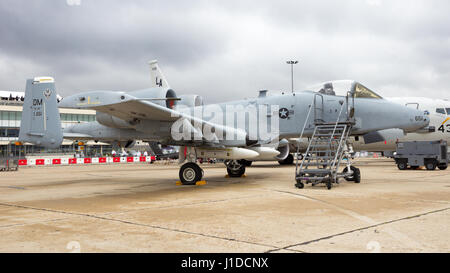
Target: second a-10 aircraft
(234, 131)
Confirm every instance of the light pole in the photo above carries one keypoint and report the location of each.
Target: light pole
(292, 72)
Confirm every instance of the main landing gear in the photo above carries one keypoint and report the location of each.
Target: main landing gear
(289, 160)
(235, 168)
(190, 173)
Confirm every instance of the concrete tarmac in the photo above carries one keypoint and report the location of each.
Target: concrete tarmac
(139, 208)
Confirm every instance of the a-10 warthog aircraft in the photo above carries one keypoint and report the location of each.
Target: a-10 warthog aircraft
(233, 131)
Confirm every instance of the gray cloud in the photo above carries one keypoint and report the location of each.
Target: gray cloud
(227, 49)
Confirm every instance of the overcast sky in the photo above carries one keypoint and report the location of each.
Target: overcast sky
(226, 50)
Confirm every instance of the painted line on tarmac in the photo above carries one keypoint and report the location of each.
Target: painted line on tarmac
(13, 187)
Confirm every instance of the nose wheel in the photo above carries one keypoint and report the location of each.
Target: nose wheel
(356, 174)
(190, 173)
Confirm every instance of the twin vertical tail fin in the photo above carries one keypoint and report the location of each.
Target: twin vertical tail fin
(156, 75)
(41, 124)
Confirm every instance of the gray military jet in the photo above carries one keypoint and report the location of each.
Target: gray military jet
(233, 131)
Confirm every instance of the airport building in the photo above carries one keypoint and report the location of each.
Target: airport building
(11, 114)
(11, 104)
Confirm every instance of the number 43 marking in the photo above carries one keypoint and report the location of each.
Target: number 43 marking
(442, 128)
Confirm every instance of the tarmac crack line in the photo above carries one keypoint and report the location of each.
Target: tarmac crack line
(355, 230)
(395, 234)
(142, 225)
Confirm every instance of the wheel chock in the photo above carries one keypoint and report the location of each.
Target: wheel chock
(198, 183)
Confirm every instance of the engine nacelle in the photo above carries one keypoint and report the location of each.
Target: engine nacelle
(161, 96)
(284, 152)
(190, 101)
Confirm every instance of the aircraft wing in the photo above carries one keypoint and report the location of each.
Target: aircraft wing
(121, 105)
(140, 109)
(127, 107)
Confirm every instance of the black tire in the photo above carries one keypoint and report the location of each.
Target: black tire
(357, 175)
(348, 178)
(235, 169)
(190, 173)
(352, 177)
(430, 165)
(442, 167)
(246, 163)
(300, 185)
(289, 160)
(329, 184)
(401, 165)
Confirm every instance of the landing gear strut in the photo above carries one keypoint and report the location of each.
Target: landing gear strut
(235, 168)
(190, 173)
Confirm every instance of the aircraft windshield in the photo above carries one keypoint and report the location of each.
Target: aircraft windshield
(341, 88)
(363, 92)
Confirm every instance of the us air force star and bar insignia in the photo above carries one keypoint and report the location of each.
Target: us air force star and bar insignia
(283, 113)
(47, 93)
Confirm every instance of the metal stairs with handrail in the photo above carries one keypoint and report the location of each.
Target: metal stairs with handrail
(326, 148)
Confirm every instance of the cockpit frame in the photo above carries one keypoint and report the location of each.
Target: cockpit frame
(345, 88)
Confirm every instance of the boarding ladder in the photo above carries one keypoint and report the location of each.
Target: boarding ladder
(327, 145)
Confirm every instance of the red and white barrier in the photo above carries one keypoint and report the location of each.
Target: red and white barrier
(84, 161)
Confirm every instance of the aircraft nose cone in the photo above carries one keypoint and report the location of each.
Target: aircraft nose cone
(419, 119)
(424, 119)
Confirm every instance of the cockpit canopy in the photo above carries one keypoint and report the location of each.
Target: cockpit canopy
(344, 87)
